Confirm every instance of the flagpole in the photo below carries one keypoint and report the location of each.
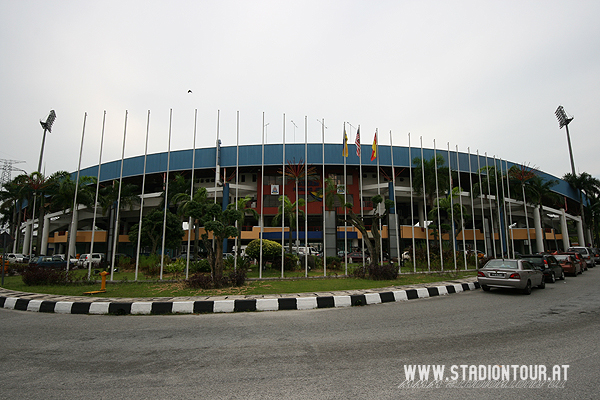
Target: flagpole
(305, 194)
(512, 238)
(437, 193)
(485, 243)
(323, 199)
(72, 230)
(116, 230)
(498, 208)
(462, 221)
(379, 193)
(139, 239)
(237, 184)
(262, 198)
(345, 154)
(492, 234)
(190, 221)
(472, 207)
(425, 207)
(452, 208)
(360, 182)
(412, 211)
(283, 203)
(397, 220)
(97, 192)
(162, 258)
(505, 219)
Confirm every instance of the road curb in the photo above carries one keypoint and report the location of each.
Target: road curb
(65, 305)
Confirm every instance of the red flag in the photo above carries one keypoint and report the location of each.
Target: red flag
(374, 147)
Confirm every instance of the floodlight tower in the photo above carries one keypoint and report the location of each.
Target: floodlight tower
(563, 120)
(47, 125)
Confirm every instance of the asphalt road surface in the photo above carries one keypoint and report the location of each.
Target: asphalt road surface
(342, 353)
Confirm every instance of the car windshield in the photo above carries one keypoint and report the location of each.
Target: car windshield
(503, 264)
(534, 260)
(563, 257)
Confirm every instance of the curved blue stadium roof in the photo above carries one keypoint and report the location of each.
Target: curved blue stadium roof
(251, 155)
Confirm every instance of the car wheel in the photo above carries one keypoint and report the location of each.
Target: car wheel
(527, 289)
(485, 288)
(562, 275)
(543, 284)
(552, 278)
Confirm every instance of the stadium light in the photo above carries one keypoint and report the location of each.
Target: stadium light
(564, 120)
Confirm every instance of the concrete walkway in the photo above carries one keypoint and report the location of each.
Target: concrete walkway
(36, 302)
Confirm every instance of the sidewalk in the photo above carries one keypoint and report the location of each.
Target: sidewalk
(37, 302)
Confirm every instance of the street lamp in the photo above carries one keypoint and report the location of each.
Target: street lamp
(563, 120)
(47, 125)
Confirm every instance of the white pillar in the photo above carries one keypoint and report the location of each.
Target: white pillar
(564, 229)
(45, 233)
(539, 232)
(28, 226)
(73, 235)
(580, 236)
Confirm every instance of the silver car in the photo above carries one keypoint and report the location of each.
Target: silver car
(510, 274)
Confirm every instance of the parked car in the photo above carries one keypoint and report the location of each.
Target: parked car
(16, 258)
(585, 253)
(95, 258)
(356, 257)
(510, 274)
(49, 262)
(595, 255)
(578, 258)
(569, 264)
(72, 259)
(550, 266)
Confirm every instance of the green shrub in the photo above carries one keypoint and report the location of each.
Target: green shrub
(176, 267)
(150, 265)
(199, 266)
(36, 276)
(270, 249)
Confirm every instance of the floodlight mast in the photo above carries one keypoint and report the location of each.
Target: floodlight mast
(47, 125)
(563, 120)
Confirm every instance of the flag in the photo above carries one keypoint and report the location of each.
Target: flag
(345, 149)
(374, 147)
(357, 142)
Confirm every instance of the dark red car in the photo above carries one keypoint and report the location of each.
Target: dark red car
(569, 264)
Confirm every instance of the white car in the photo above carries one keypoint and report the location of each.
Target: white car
(95, 258)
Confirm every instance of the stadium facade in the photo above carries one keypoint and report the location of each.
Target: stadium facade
(492, 224)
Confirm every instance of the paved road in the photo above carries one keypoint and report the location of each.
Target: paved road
(342, 353)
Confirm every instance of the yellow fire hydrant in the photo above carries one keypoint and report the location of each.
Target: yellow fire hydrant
(102, 285)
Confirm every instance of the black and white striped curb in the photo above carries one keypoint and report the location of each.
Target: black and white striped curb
(228, 305)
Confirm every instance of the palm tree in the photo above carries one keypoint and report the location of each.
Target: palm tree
(585, 184)
(296, 173)
(108, 199)
(429, 167)
(449, 208)
(289, 211)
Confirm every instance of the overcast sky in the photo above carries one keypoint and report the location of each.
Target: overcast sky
(487, 75)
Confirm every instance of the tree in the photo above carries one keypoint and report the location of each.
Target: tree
(432, 191)
(448, 209)
(152, 230)
(108, 199)
(289, 211)
(219, 222)
(374, 244)
(586, 184)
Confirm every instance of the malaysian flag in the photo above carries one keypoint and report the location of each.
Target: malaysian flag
(357, 142)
